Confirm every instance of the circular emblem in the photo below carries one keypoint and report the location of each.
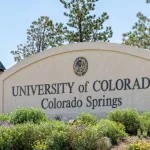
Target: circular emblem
(80, 66)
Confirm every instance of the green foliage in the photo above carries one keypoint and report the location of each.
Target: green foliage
(139, 35)
(103, 144)
(4, 117)
(140, 145)
(23, 115)
(128, 117)
(33, 130)
(17, 137)
(146, 114)
(111, 129)
(87, 119)
(86, 139)
(40, 145)
(147, 1)
(145, 123)
(58, 140)
(25, 136)
(82, 25)
(139, 134)
(42, 34)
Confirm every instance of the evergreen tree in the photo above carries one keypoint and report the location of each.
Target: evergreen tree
(82, 25)
(139, 36)
(41, 35)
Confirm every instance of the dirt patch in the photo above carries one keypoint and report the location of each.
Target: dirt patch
(130, 140)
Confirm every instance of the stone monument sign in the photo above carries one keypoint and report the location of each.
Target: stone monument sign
(83, 77)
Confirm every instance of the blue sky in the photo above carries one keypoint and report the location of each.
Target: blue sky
(16, 17)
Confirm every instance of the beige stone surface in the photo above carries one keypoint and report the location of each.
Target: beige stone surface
(106, 61)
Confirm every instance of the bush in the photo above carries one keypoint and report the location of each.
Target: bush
(146, 120)
(58, 140)
(144, 128)
(87, 119)
(4, 117)
(146, 114)
(128, 117)
(115, 131)
(25, 136)
(40, 145)
(141, 145)
(86, 139)
(6, 138)
(24, 115)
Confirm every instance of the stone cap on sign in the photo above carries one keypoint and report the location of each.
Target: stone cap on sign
(2, 68)
(75, 47)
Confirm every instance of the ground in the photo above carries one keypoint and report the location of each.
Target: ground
(130, 140)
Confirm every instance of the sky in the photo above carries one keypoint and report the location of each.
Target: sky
(16, 17)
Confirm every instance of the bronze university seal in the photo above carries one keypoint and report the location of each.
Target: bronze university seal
(80, 66)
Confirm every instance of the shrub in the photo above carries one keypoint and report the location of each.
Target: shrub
(24, 115)
(103, 144)
(21, 137)
(86, 139)
(25, 136)
(40, 145)
(58, 140)
(4, 117)
(144, 127)
(87, 119)
(115, 131)
(6, 138)
(141, 145)
(146, 114)
(145, 120)
(128, 117)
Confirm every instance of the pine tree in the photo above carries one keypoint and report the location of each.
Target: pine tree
(41, 35)
(82, 25)
(139, 36)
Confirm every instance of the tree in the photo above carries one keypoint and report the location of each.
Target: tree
(140, 34)
(41, 35)
(82, 25)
